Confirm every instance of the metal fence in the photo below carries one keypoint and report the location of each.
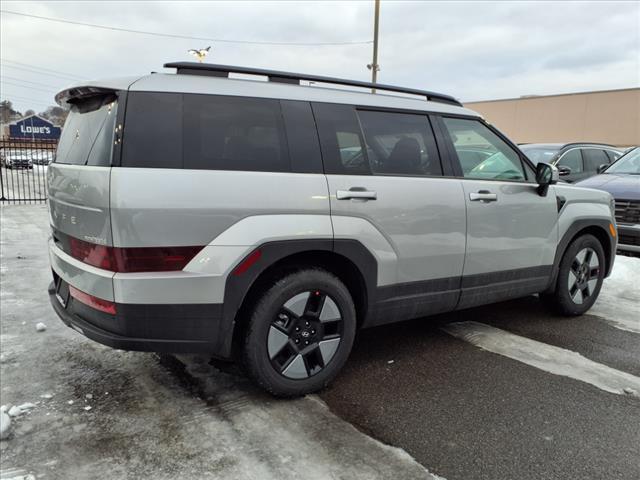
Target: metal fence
(23, 169)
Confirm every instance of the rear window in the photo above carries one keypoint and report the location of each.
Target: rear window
(87, 136)
(167, 130)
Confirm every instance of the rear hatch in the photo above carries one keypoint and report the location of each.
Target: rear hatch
(79, 177)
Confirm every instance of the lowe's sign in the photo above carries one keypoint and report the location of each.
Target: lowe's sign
(34, 127)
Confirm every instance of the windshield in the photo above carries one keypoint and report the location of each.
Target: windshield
(629, 163)
(539, 154)
(87, 136)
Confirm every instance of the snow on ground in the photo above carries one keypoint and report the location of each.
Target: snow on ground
(619, 300)
(151, 417)
(549, 358)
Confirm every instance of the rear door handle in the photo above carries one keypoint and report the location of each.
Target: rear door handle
(483, 196)
(356, 192)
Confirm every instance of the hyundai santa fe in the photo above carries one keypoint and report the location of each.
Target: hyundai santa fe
(266, 220)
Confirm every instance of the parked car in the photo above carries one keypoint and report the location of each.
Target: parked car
(267, 221)
(622, 180)
(17, 159)
(575, 161)
(42, 157)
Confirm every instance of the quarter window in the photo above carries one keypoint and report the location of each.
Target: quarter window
(234, 133)
(173, 130)
(572, 159)
(482, 154)
(400, 144)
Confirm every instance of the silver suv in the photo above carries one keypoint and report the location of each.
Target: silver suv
(267, 221)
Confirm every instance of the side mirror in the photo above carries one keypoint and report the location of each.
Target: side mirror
(563, 171)
(546, 175)
(602, 167)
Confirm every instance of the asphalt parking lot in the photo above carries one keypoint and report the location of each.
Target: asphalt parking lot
(467, 413)
(482, 404)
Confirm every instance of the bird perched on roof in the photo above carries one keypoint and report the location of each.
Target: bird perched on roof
(200, 54)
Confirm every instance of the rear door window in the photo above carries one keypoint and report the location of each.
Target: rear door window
(400, 144)
(87, 136)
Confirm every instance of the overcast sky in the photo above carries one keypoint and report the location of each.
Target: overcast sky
(471, 50)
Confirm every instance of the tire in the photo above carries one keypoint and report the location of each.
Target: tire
(309, 305)
(580, 277)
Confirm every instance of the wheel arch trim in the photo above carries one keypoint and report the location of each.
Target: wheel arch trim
(237, 287)
(598, 227)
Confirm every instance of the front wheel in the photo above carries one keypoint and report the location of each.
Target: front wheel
(580, 277)
(300, 333)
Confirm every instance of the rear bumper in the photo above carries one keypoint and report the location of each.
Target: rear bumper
(629, 238)
(148, 328)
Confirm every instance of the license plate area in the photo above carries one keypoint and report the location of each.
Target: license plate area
(62, 291)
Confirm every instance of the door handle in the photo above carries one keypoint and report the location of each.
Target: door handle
(356, 192)
(483, 196)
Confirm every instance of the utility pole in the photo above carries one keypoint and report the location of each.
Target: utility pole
(374, 67)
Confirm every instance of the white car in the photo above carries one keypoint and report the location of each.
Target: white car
(18, 159)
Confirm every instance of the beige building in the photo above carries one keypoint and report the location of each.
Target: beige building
(608, 116)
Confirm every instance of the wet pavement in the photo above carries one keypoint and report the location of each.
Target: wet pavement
(468, 413)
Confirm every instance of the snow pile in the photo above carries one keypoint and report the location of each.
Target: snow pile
(18, 410)
(5, 425)
(619, 300)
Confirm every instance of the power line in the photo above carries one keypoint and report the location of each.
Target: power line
(69, 78)
(25, 86)
(187, 37)
(25, 81)
(26, 99)
(37, 67)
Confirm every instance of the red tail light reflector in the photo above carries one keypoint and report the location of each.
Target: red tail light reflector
(94, 302)
(248, 262)
(136, 259)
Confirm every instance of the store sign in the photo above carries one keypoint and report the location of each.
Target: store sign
(34, 127)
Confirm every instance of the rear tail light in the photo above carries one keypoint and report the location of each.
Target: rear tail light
(94, 302)
(137, 259)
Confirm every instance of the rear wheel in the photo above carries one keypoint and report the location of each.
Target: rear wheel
(300, 333)
(580, 276)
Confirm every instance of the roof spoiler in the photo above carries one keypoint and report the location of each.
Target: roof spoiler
(214, 70)
(74, 95)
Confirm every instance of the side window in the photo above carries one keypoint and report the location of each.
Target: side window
(613, 155)
(340, 139)
(153, 130)
(302, 137)
(400, 144)
(572, 159)
(593, 158)
(234, 133)
(482, 154)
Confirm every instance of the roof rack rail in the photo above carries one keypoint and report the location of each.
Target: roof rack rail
(570, 144)
(210, 69)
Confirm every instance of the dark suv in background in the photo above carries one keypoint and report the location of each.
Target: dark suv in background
(622, 181)
(575, 161)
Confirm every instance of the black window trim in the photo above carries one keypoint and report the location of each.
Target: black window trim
(456, 162)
